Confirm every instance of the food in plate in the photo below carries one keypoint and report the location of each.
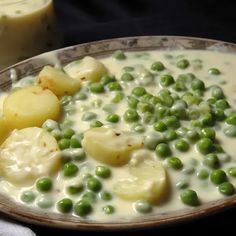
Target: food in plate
(130, 134)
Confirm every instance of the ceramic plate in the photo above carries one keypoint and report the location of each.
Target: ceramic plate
(101, 48)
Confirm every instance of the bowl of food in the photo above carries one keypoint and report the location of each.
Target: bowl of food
(119, 134)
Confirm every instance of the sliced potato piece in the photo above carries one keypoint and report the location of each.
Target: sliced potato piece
(109, 146)
(30, 106)
(149, 182)
(57, 81)
(4, 130)
(86, 69)
(28, 154)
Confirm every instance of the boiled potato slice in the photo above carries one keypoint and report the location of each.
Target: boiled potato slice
(109, 146)
(148, 183)
(58, 81)
(86, 69)
(30, 106)
(4, 130)
(28, 154)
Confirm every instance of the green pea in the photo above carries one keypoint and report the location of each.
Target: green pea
(82, 208)
(75, 141)
(232, 171)
(192, 135)
(67, 133)
(94, 184)
(149, 118)
(179, 86)
(131, 116)
(128, 68)
(96, 87)
(155, 100)
(143, 206)
(27, 196)
(189, 197)
(205, 145)
(44, 184)
(106, 196)
(175, 163)
(103, 172)
(119, 55)
(127, 77)
(95, 124)
(160, 126)
(66, 124)
(218, 114)
(89, 197)
(171, 122)
(217, 92)
(157, 66)
(109, 209)
(166, 80)
(75, 189)
(146, 98)
(114, 86)
(203, 174)
(197, 84)
(182, 131)
(106, 79)
(138, 91)
(132, 102)
(56, 134)
(211, 160)
(188, 170)
(222, 104)
(207, 119)
(65, 100)
(179, 110)
(118, 97)
(138, 128)
(162, 111)
(182, 145)
(80, 96)
(65, 205)
(170, 135)
(45, 202)
(214, 71)
(88, 116)
(162, 150)
(182, 184)
(226, 188)
(109, 108)
(231, 120)
(208, 133)
(70, 169)
(113, 118)
(64, 143)
(50, 125)
(218, 176)
(151, 141)
(182, 64)
(230, 131)
(145, 107)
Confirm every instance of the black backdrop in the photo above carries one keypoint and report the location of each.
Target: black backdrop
(90, 20)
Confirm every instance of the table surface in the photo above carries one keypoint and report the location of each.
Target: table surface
(90, 20)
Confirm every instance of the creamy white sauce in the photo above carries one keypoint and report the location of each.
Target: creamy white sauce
(207, 191)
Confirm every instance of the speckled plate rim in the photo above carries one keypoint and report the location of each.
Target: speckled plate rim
(101, 48)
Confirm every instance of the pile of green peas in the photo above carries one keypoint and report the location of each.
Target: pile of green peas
(173, 120)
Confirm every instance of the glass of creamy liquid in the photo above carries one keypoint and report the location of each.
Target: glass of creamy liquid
(27, 28)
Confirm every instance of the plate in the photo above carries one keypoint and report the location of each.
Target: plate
(101, 48)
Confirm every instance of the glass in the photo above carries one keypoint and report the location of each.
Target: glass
(27, 28)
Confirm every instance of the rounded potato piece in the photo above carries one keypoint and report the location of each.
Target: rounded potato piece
(86, 69)
(58, 81)
(149, 182)
(109, 146)
(4, 130)
(28, 154)
(30, 106)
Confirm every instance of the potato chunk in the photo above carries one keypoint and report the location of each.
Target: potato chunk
(86, 69)
(28, 154)
(58, 81)
(149, 182)
(4, 130)
(109, 146)
(30, 106)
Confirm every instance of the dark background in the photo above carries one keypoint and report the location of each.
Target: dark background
(90, 20)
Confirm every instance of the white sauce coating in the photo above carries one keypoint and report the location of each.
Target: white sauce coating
(207, 191)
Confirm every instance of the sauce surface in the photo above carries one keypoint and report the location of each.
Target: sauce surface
(91, 107)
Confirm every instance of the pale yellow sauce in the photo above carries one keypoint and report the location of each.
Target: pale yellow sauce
(207, 191)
